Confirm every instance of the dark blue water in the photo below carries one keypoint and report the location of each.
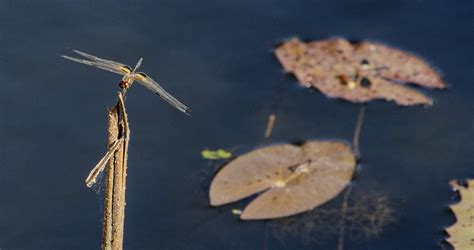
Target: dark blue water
(216, 56)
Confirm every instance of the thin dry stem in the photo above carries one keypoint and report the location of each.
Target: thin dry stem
(360, 120)
(270, 124)
(345, 202)
(95, 172)
(342, 222)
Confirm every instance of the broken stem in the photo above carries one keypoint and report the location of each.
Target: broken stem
(97, 170)
(270, 123)
(114, 209)
(276, 99)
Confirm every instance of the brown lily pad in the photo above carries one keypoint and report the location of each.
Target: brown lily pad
(358, 72)
(294, 178)
(461, 234)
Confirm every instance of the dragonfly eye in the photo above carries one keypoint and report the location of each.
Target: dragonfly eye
(126, 69)
(141, 75)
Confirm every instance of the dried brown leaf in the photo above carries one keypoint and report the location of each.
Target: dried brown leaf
(358, 72)
(295, 178)
(461, 234)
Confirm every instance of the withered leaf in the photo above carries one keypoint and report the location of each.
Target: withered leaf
(461, 234)
(295, 178)
(358, 72)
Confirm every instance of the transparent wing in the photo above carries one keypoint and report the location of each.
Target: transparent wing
(98, 59)
(155, 87)
(114, 67)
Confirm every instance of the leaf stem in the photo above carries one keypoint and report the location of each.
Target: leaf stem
(358, 128)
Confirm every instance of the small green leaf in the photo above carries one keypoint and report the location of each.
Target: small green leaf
(210, 155)
(215, 155)
(223, 154)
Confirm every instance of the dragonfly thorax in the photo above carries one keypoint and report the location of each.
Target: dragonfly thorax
(126, 81)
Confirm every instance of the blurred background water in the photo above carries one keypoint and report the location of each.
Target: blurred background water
(216, 57)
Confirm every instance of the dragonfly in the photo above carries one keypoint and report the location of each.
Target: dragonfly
(129, 77)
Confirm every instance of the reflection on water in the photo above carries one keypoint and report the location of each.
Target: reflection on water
(367, 215)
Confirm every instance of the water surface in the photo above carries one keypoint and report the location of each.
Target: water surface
(216, 56)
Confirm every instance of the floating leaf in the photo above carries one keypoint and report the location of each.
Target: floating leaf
(236, 211)
(295, 178)
(358, 72)
(461, 234)
(215, 155)
(223, 154)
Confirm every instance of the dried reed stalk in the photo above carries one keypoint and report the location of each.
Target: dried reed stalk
(114, 208)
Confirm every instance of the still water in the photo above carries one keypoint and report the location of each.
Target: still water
(216, 57)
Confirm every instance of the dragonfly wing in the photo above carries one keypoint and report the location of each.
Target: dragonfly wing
(155, 87)
(109, 67)
(98, 59)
